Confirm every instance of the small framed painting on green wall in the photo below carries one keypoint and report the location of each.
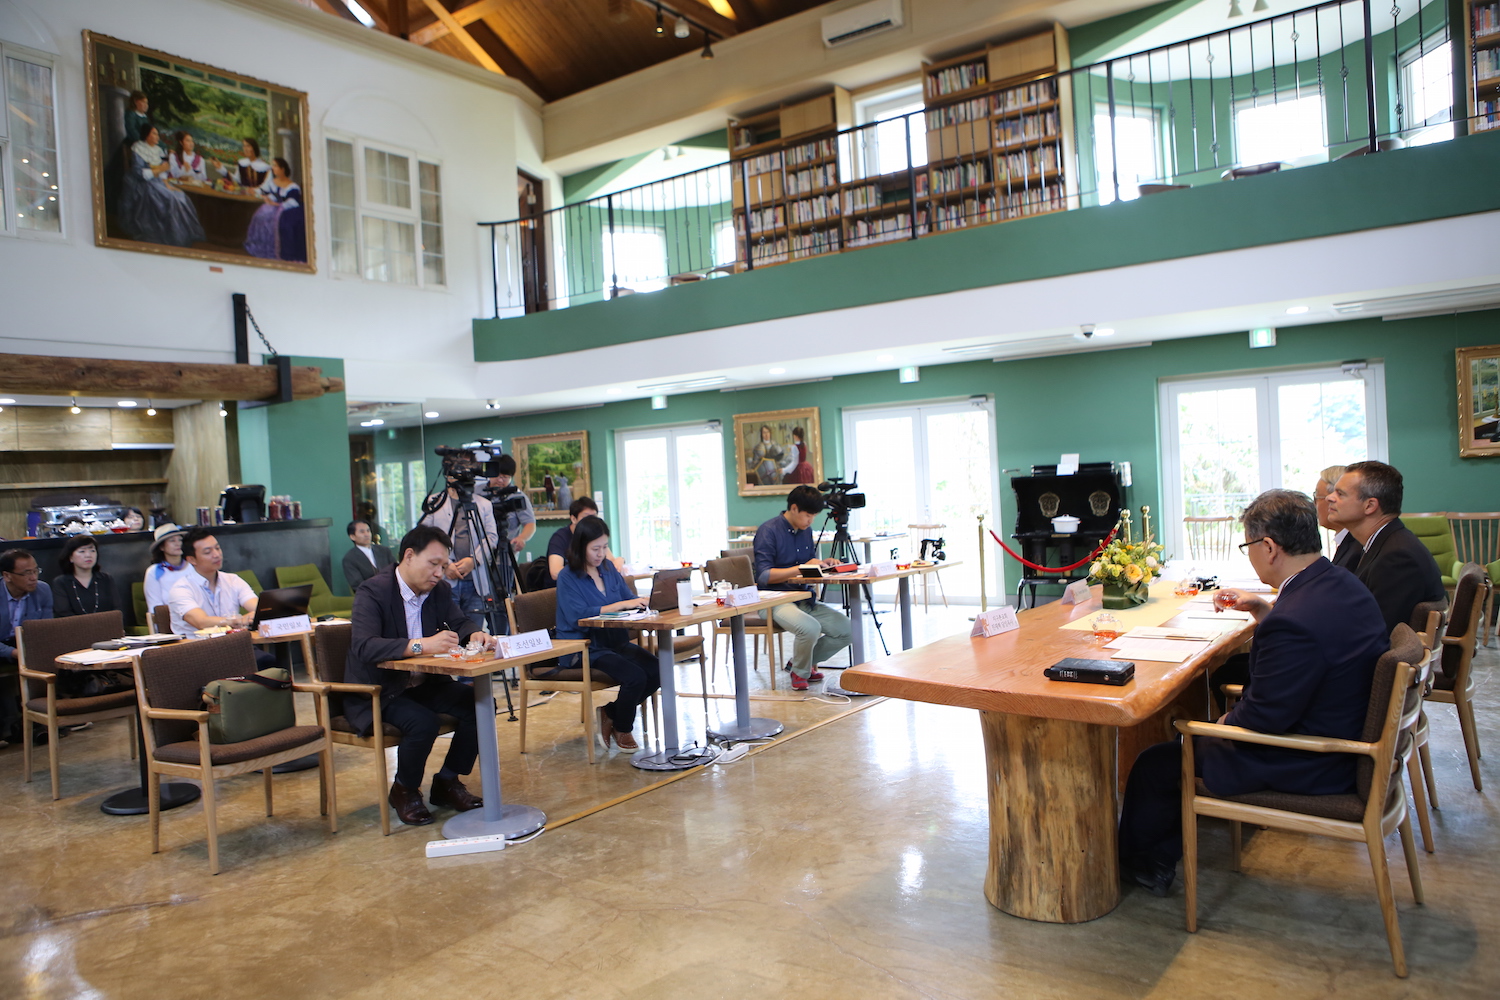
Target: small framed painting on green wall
(777, 450)
(1479, 401)
(553, 470)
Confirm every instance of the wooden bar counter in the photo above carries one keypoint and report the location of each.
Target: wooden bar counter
(1056, 752)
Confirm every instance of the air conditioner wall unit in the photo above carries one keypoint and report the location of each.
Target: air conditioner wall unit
(859, 22)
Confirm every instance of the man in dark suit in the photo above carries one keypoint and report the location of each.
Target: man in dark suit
(21, 600)
(366, 558)
(403, 611)
(1310, 672)
(1388, 559)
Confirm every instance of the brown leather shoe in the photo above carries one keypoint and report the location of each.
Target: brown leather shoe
(625, 741)
(408, 805)
(451, 792)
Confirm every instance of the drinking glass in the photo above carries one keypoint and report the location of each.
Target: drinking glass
(1107, 628)
(1226, 599)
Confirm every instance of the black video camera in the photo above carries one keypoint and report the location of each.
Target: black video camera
(506, 500)
(470, 462)
(839, 496)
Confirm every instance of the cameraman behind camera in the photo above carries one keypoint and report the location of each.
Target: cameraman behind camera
(513, 506)
(467, 573)
(783, 545)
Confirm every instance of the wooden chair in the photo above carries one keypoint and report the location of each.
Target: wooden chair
(1431, 617)
(38, 645)
(1209, 539)
(1432, 528)
(161, 619)
(538, 610)
(736, 530)
(740, 572)
(919, 532)
(1453, 684)
(331, 651)
(1476, 539)
(169, 683)
(1370, 813)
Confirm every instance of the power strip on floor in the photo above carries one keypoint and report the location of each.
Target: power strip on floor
(733, 754)
(465, 845)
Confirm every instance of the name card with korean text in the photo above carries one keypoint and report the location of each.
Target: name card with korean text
(741, 597)
(1077, 593)
(886, 568)
(525, 642)
(995, 621)
(291, 625)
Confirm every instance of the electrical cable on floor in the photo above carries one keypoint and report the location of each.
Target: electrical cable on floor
(526, 839)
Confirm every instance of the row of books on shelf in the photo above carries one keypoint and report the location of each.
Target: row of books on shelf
(1038, 126)
(957, 78)
(761, 220)
(810, 151)
(961, 175)
(811, 244)
(996, 208)
(1028, 96)
(1486, 63)
(765, 163)
(957, 114)
(1487, 19)
(1017, 167)
(812, 178)
(1488, 115)
(815, 209)
(865, 232)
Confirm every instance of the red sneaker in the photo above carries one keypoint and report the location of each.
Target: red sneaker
(816, 674)
(799, 683)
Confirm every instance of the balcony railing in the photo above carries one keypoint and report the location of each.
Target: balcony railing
(1332, 80)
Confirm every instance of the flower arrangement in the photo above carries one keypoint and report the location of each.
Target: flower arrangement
(1126, 567)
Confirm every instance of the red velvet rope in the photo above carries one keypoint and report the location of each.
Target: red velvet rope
(1061, 569)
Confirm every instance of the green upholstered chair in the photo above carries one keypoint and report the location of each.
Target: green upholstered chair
(142, 613)
(248, 575)
(323, 602)
(1435, 533)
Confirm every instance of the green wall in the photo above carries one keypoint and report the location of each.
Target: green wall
(1409, 185)
(1109, 410)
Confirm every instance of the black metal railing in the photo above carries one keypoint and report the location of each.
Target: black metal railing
(1332, 80)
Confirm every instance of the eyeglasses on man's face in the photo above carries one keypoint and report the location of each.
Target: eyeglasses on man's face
(1244, 546)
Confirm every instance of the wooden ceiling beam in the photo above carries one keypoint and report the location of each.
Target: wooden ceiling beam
(337, 9)
(398, 17)
(466, 15)
(459, 31)
(511, 63)
(52, 376)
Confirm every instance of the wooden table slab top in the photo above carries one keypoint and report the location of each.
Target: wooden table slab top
(1004, 673)
(459, 668)
(710, 612)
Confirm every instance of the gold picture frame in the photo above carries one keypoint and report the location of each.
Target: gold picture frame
(1479, 401)
(553, 471)
(767, 458)
(206, 199)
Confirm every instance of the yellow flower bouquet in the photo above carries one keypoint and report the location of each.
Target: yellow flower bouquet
(1126, 567)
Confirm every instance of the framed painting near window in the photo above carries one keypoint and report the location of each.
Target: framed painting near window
(777, 450)
(195, 161)
(553, 470)
(1479, 401)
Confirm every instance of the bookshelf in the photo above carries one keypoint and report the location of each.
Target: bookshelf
(1482, 52)
(785, 183)
(998, 146)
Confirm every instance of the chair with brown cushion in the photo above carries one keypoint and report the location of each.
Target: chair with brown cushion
(169, 682)
(1453, 683)
(740, 572)
(1428, 620)
(38, 645)
(1476, 539)
(161, 619)
(1377, 807)
(535, 611)
(331, 652)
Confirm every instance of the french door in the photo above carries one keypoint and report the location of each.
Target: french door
(672, 503)
(1225, 440)
(926, 464)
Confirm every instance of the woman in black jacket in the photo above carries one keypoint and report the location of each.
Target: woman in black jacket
(81, 588)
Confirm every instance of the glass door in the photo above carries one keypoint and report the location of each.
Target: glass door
(673, 505)
(927, 464)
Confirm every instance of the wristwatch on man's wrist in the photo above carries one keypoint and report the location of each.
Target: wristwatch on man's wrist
(416, 648)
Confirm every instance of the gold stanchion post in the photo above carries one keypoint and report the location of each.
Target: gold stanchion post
(982, 605)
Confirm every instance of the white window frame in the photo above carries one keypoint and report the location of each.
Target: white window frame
(1429, 130)
(391, 213)
(1148, 112)
(8, 226)
(869, 109)
(605, 255)
(1267, 430)
(1286, 96)
(621, 542)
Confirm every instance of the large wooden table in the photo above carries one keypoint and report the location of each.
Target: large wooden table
(1056, 752)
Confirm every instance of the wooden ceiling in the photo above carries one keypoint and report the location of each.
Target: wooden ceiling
(559, 47)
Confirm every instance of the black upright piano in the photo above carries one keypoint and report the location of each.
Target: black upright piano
(1094, 494)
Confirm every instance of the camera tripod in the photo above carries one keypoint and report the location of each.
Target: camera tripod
(842, 550)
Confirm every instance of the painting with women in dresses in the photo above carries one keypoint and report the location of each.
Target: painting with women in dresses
(553, 470)
(196, 161)
(777, 451)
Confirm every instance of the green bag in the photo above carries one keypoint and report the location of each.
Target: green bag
(244, 708)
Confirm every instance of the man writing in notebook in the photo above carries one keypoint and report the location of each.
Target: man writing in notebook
(783, 545)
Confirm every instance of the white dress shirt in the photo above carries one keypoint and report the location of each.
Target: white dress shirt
(224, 599)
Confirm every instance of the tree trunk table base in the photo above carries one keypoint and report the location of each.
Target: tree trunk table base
(1052, 818)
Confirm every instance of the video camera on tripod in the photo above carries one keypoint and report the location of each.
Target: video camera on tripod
(468, 463)
(839, 497)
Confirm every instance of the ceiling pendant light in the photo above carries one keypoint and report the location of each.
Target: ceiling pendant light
(708, 46)
(150, 408)
(75, 410)
(681, 29)
(1261, 6)
(1234, 9)
(661, 29)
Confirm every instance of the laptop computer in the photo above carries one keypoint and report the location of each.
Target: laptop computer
(664, 588)
(283, 602)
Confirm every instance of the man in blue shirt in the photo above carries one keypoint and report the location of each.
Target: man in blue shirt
(23, 601)
(782, 546)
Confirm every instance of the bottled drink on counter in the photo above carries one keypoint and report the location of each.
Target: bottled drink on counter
(296, 510)
(203, 516)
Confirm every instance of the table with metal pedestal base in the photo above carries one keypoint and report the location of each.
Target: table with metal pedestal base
(857, 611)
(495, 816)
(745, 727)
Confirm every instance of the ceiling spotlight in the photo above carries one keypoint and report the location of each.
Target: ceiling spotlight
(661, 29)
(127, 403)
(223, 412)
(376, 422)
(75, 408)
(1297, 310)
(708, 47)
(681, 29)
(778, 371)
(492, 404)
(432, 414)
(151, 411)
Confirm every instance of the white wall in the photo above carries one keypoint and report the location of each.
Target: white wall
(65, 296)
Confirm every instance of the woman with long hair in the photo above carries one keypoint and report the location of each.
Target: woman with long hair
(590, 585)
(81, 588)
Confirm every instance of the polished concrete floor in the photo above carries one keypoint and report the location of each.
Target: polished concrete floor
(845, 861)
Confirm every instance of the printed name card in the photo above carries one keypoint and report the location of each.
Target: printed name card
(883, 568)
(1077, 593)
(741, 597)
(285, 626)
(525, 642)
(995, 621)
